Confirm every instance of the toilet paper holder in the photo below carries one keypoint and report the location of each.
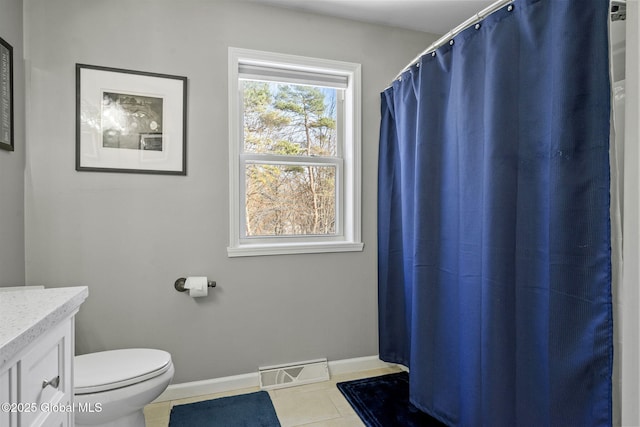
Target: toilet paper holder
(179, 285)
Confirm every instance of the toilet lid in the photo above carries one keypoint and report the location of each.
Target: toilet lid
(108, 370)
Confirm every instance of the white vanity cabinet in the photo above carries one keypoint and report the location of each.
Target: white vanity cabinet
(36, 356)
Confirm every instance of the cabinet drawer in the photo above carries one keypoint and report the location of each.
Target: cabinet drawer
(45, 377)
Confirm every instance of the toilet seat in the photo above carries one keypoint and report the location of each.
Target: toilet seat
(109, 370)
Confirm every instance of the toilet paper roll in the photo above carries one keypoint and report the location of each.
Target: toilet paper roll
(197, 286)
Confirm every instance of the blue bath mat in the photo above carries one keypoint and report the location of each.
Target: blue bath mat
(384, 401)
(245, 410)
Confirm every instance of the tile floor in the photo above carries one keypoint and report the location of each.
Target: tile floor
(312, 405)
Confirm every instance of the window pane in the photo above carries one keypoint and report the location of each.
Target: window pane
(289, 119)
(290, 200)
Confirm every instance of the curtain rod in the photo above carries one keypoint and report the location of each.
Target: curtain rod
(457, 30)
(618, 10)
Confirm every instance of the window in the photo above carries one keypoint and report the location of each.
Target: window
(294, 151)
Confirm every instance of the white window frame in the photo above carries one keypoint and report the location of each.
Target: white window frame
(348, 189)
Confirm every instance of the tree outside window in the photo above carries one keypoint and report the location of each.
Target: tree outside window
(300, 122)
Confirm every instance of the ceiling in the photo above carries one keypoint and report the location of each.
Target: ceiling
(432, 16)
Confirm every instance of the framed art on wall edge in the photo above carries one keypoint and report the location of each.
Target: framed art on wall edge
(6, 96)
(130, 121)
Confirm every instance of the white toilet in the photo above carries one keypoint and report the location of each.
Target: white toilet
(112, 387)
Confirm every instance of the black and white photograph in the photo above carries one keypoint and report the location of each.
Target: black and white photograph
(6, 95)
(130, 121)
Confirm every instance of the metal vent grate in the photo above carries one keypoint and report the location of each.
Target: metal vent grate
(293, 374)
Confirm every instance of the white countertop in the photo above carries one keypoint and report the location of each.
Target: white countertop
(27, 314)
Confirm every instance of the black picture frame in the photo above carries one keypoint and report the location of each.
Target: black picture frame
(6, 96)
(130, 121)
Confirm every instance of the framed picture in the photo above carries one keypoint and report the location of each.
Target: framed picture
(6, 96)
(130, 121)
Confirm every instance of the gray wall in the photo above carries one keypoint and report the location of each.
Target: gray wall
(128, 237)
(12, 162)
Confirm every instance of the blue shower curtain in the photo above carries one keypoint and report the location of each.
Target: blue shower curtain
(494, 235)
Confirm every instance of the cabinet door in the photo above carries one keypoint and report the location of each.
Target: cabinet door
(44, 375)
(8, 396)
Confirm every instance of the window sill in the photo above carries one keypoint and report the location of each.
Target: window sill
(292, 248)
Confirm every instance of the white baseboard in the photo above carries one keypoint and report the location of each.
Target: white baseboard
(214, 385)
(235, 382)
(358, 364)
